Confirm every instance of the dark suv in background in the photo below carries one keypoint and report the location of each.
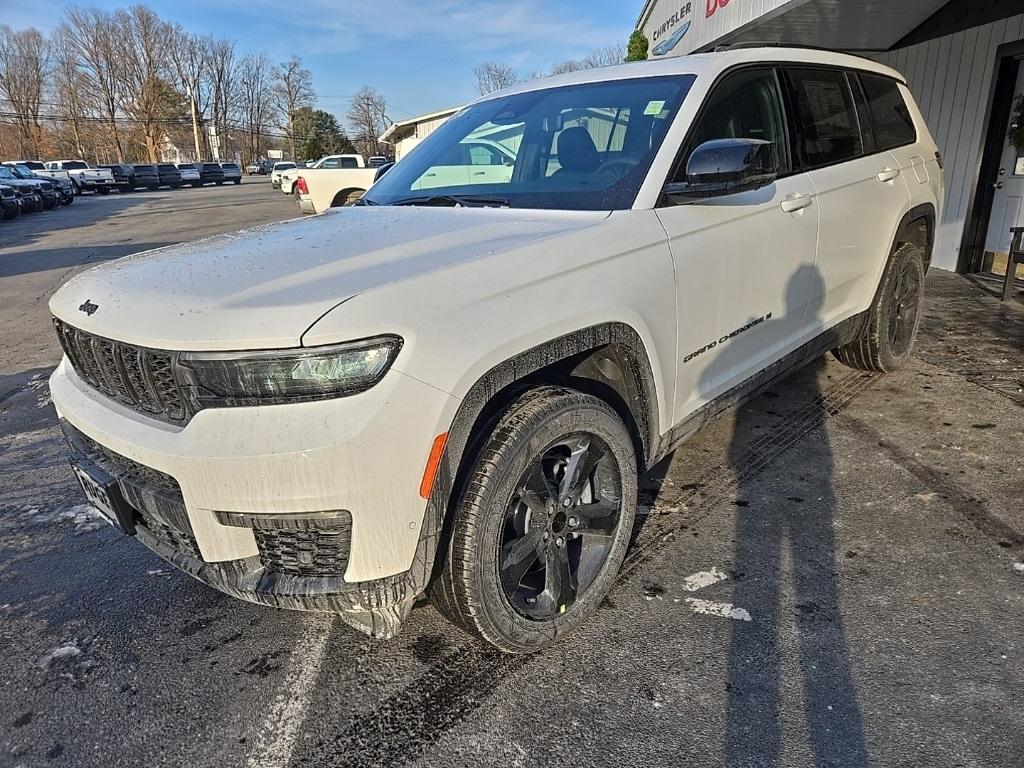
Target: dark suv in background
(124, 176)
(169, 175)
(146, 176)
(232, 172)
(211, 173)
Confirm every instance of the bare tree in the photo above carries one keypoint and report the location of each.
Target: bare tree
(189, 56)
(293, 89)
(24, 68)
(367, 116)
(75, 100)
(224, 86)
(563, 67)
(99, 45)
(150, 100)
(605, 56)
(254, 88)
(493, 76)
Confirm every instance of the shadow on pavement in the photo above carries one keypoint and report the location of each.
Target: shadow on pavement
(24, 262)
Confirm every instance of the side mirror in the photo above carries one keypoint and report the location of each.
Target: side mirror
(381, 170)
(726, 167)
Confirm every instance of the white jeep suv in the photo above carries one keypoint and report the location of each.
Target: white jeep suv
(454, 384)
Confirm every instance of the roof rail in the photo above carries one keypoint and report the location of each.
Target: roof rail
(778, 44)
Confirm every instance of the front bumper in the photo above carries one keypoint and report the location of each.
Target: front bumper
(239, 468)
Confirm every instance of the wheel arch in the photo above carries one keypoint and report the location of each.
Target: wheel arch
(917, 227)
(343, 195)
(609, 360)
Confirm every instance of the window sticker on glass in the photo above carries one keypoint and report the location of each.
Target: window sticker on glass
(1018, 169)
(654, 108)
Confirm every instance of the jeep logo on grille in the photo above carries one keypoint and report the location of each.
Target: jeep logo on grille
(88, 307)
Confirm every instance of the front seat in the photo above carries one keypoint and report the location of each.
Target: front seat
(576, 152)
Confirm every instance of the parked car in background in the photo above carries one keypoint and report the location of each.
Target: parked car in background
(59, 188)
(330, 162)
(49, 197)
(232, 172)
(275, 173)
(29, 190)
(146, 176)
(169, 175)
(189, 174)
(38, 167)
(260, 167)
(211, 173)
(10, 203)
(85, 177)
(124, 175)
(376, 161)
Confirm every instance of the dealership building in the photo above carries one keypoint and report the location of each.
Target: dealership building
(961, 59)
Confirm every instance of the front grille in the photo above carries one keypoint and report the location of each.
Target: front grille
(306, 551)
(154, 495)
(140, 378)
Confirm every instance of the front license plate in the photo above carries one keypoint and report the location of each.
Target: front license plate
(104, 493)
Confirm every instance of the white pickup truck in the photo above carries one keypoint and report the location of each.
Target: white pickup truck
(39, 169)
(85, 176)
(335, 180)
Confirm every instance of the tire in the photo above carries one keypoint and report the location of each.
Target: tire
(893, 318)
(521, 604)
(104, 190)
(220, 183)
(238, 181)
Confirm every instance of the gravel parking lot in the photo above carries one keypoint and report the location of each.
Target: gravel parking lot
(834, 577)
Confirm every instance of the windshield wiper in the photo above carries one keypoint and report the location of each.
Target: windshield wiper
(456, 201)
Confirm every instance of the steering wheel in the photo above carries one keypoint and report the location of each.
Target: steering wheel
(613, 166)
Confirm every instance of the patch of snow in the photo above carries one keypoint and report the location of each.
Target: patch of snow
(703, 579)
(724, 610)
(67, 651)
(1018, 567)
(85, 517)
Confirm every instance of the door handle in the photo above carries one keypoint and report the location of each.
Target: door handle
(997, 185)
(797, 203)
(889, 174)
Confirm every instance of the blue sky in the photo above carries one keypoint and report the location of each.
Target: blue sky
(419, 53)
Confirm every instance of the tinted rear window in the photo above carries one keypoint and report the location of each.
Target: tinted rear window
(75, 165)
(890, 117)
(230, 166)
(168, 167)
(145, 168)
(829, 132)
(186, 167)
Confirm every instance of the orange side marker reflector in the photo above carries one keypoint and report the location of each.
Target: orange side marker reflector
(433, 462)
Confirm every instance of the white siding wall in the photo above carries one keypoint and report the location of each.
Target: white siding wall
(706, 29)
(951, 77)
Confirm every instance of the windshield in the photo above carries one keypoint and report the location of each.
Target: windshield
(6, 173)
(24, 171)
(576, 147)
(35, 166)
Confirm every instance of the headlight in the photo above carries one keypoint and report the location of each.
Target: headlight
(296, 375)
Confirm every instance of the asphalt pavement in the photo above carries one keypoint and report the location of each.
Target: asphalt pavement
(834, 577)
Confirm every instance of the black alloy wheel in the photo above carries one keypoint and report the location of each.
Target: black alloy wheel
(559, 526)
(543, 523)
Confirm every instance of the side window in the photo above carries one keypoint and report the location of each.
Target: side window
(332, 163)
(890, 117)
(349, 162)
(745, 105)
(829, 132)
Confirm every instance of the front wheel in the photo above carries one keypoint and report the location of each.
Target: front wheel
(887, 341)
(544, 523)
(104, 190)
(238, 181)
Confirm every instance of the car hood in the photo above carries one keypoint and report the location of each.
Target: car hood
(263, 288)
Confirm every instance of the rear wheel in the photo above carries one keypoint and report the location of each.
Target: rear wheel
(238, 181)
(544, 524)
(104, 190)
(893, 318)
